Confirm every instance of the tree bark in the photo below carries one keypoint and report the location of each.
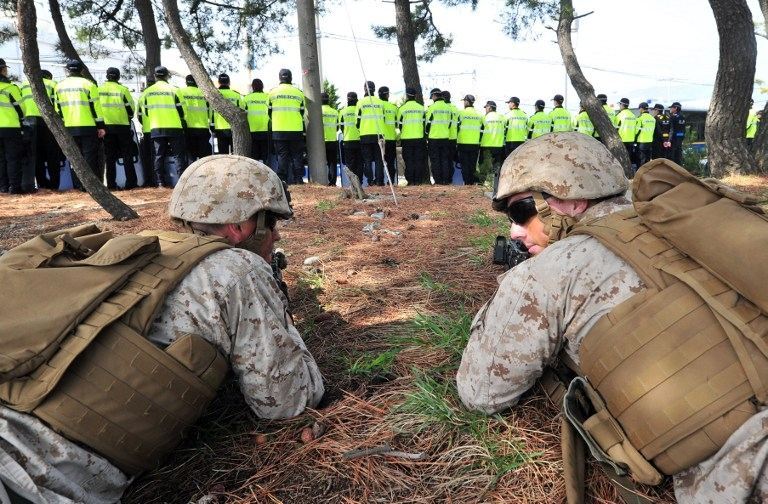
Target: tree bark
(724, 133)
(760, 144)
(237, 118)
(318, 171)
(30, 55)
(586, 92)
(406, 42)
(151, 38)
(64, 41)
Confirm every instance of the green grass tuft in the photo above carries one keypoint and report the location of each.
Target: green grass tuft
(429, 283)
(482, 219)
(311, 280)
(325, 205)
(372, 364)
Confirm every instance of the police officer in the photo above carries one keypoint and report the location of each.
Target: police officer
(390, 133)
(561, 118)
(452, 132)
(80, 108)
(286, 113)
(197, 113)
(370, 123)
(582, 123)
(646, 125)
(43, 152)
(752, 122)
(662, 144)
(626, 122)
(221, 127)
(539, 123)
(438, 127)
(492, 139)
(330, 125)
(410, 120)
(603, 99)
(351, 136)
(257, 105)
(118, 108)
(517, 126)
(146, 147)
(11, 152)
(470, 125)
(676, 131)
(163, 107)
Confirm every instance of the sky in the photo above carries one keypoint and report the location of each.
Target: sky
(657, 50)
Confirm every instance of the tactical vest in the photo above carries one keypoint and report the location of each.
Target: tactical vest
(85, 367)
(674, 370)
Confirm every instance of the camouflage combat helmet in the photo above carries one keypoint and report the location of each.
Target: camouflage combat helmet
(227, 189)
(567, 165)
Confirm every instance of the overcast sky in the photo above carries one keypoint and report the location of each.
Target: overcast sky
(662, 50)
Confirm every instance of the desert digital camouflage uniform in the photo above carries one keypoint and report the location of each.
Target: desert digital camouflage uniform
(550, 302)
(232, 300)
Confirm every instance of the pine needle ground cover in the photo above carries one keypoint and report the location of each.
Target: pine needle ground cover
(385, 308)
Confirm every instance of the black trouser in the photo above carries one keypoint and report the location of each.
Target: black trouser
(643, 153)
(172, 149)
(11, 153)
(260, 146)
(630, 146)
(440, 162)
(371, 153)
(353, 159)
(468, 154)
(413, 157)
(290, 159)
(198, 142)
(118, 143)
(147, 155)
(223, 141)
(88, 145)
(659, 151)
(497, 158)
(677, 151)
(331, 159)
(42, 155)
(390, 158)
(510, 147)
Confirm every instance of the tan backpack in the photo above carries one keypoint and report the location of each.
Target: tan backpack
(673, 371)
(77, 305)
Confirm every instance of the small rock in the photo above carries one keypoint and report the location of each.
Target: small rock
(260, 439)
(342, 281)
(414, 216)
(306, 435)
(318, 429)
(378, 215)
(410, 226)
(393, 233)
(375, 238)
(311, 261)
(369, 228)
(351, 272)
(360, 212)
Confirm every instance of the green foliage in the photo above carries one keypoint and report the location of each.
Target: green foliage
(694, 160)
(449, 332)
(334, 100)
(429, 283)
(480, 218)
(372, 364)
(485, 169)
(325, 205)
(312, 280)
(520, 17)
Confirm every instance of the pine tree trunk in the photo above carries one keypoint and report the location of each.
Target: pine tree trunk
(236, 117)
(760, 144)
(406, 41)
(64, 41)
(586, 92)
(729, 106)
(30, 55)
(318, 170)
(151, 39)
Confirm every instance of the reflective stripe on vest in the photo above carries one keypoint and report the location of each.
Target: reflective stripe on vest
(410, 117)
(469, 127)
(78, 100)
(330, 122)
(196, 107)
(257, 105)
(493, 130)
(286, 103)
(517, 126)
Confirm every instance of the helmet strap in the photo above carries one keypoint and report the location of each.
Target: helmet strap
(556, 225)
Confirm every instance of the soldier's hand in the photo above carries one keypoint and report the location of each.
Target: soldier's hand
(101, 132)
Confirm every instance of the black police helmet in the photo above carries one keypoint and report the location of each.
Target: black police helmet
(351, 97)
(446, 95)
(190, 80)
(161, 72)
(113, 73)
(324, 98)
(73, 65)
(558, 98)
(285, 76)
(469, 99)
(602, 98)
(540, 104)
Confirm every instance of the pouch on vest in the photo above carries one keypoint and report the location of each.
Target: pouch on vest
(85, 366)
(683, 363)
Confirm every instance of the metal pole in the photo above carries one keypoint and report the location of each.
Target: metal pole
(310, 77)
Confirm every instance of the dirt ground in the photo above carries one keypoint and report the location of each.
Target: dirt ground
(386, 313)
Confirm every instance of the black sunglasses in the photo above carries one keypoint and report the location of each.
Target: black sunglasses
(521, 211)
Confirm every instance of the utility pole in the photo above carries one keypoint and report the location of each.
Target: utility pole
(310, 78)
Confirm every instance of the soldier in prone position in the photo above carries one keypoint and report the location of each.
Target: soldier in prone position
(227, 303)
(554, 306)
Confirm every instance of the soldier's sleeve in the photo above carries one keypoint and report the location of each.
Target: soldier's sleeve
(278, 376)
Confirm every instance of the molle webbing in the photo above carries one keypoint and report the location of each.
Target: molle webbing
(679, 364)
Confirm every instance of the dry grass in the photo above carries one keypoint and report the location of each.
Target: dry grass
(384, 314)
